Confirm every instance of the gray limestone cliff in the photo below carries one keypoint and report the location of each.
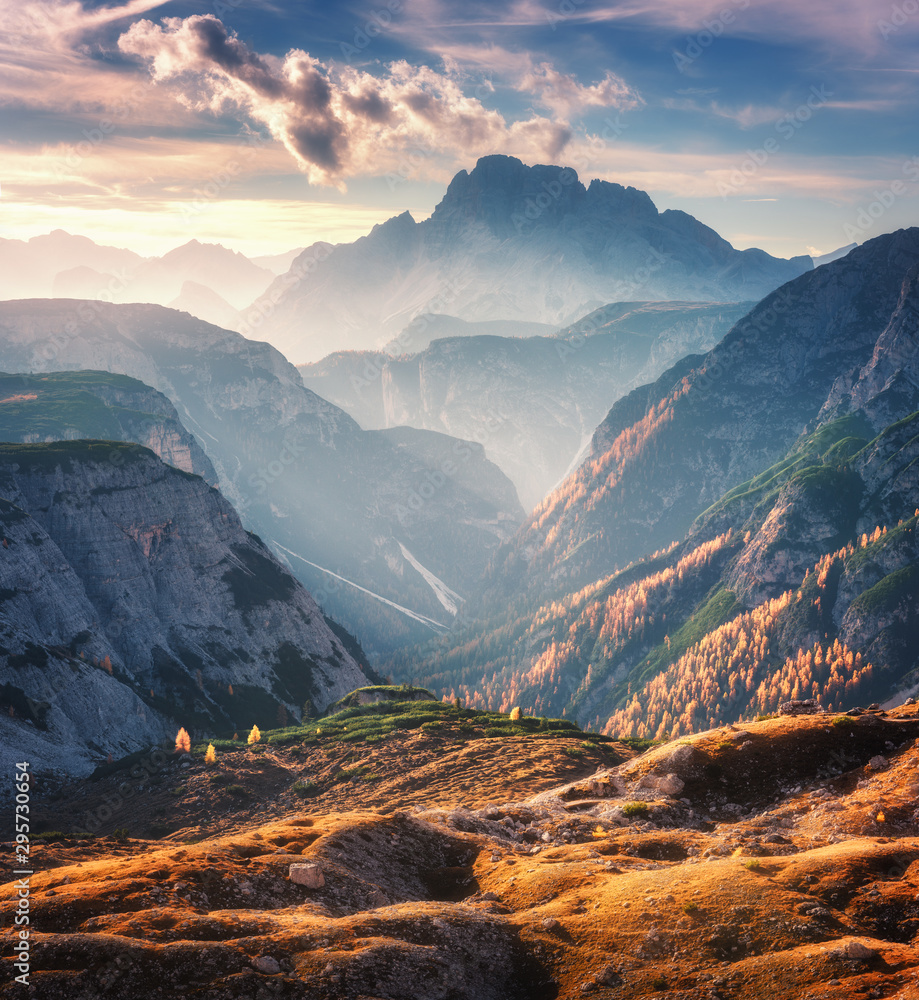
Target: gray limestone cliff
(133, 601)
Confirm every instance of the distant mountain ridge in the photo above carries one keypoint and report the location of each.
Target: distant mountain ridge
(533, 402)
(776, 478)
(206, 279)
(343, 505)
(509, 242)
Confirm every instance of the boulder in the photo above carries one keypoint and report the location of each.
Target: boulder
(307, 875)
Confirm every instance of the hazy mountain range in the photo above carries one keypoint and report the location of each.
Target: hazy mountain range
(533, 402)
(743, 531)
(722, 489)
(407, 517)
(509, 242)
(205, 279)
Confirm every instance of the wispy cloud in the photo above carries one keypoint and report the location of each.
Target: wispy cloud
(745, 117)
(851, 24)
(749, 115)
(46, 58)
(567, 98)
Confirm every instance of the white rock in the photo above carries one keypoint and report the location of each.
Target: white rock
(309, 875)
(857, 950)
(878, 763)
(266, 964)
(670, 784)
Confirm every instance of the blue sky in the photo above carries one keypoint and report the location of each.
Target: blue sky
(267, 125)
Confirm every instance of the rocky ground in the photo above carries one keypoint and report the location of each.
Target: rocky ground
(776, 859)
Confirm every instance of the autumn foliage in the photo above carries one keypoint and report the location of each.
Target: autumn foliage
(183, 741)
(585, 653)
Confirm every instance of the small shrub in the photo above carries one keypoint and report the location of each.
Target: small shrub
(515, 713)
(691, 907)
(843, 722)
(753, 864)
(237, 791)
(121, 835)
(351, 772)
(631, 809)
(254, 736)
(765, 718)
(305, 789)
(211, 756)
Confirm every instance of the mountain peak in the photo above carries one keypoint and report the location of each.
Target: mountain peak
(502, 192)
(405, 220)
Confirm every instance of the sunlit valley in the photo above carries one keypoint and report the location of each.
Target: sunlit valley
(442, 566)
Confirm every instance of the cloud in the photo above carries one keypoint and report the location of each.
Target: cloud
(745, 117)
(46, 61)
(749, 115)
(340, 121)
(849, 24)
(564, 95)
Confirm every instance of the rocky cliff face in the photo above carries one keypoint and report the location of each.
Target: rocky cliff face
(133, 601)
(532, 402)
(336, 501)
(799, 581)
(509, 242)
(668, 451)
(887, 387)
(65, 406)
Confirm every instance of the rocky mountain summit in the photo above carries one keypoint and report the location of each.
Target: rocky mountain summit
(130, 596)
(508, 242)
(777, 858)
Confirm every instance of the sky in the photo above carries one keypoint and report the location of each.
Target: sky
(266, 125)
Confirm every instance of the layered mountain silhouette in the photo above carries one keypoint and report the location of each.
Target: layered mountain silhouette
(508, 242)
(533, 402)
(382, 531)
(742, 533)
(205, 279)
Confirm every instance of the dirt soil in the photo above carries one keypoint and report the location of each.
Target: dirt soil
(777, 859)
